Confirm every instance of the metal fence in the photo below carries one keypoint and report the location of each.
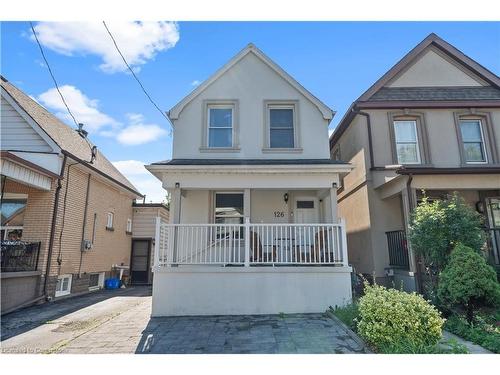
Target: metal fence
(18, 256)
(398, 249)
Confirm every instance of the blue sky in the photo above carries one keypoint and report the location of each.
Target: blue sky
(336, 61)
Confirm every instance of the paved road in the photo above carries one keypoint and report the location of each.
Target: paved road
(119, 322)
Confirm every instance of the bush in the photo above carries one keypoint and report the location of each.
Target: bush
(468, 282)
(394, 321)
(438, 226)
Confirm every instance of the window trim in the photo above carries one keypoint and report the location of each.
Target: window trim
(221, 103)
(483, 142)
(64, 292)
(422, 136)
(271, 104)
(417, 143)
(487, 132)
(100, 281)
(112, 216)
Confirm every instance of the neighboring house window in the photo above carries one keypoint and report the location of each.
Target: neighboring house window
(220, 126)
(96, 281)
(473, 141)
(281, 126)
(336, 154)
(63, 286)
(109, 223)
(12, 217)
(407, 147)
(129, 226)
(229, 208)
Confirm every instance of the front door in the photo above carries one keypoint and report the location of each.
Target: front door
(306, 210)
(139, 264)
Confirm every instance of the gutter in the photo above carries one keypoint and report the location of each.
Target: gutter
(94, 169)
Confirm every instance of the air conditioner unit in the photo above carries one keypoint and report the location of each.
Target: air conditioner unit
(86, 245)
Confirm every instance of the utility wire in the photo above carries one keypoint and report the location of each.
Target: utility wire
(93, 149)
(52, 75)
(133, 73)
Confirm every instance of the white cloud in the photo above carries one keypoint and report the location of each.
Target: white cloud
(195, 83)
(138, 41)
(139, 134)
(144, 181)
(84, 109)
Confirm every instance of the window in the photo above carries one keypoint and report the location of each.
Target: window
(129, 225)
(281, 126)
(336, 154)
(407, 147)
(305, 204)
(220, 126)
(473, 141)
(63, 286)
(109, 223)
(96, 281)
(12, 217)
(229, 208)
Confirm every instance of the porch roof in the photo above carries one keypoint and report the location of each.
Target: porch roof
(248, 162)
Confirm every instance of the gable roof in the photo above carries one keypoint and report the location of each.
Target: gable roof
(380, 96)
(443, 46)
(69, 141)
(327, 113)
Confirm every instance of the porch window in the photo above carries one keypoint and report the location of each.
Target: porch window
(407, 147)
(281, 126)
(473, 141)
(220, 126)
(229, 208)
(12, 218)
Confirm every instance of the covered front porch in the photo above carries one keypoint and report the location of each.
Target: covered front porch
(404, 193)
(250, 239)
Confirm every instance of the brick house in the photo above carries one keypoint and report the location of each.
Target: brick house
(66, 210)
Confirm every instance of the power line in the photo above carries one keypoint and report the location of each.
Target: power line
(52, 75)
(79, 126)
(133, 73)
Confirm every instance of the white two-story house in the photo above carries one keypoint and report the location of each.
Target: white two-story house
(253, 216)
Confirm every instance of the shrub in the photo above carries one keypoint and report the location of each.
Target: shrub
(483, 333)
(438, 226)
(394, 321)
(468, 282)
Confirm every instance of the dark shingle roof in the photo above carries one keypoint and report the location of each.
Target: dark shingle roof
(436, 93)
(64, 136)
(247, 162)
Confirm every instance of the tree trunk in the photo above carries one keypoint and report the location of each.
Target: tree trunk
(470, 312)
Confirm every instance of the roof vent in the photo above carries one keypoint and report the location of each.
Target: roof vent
(83, 133)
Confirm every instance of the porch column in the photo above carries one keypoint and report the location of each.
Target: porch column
(246, 204)
(406, 199)
(175, 205)
(333, 204)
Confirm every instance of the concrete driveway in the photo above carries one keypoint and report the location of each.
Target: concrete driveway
(119, 322)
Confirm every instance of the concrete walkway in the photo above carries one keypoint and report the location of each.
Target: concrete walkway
(119, 322)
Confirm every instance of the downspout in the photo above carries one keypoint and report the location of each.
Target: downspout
(369, 128)
(411, 205)
(84, 224)
(53, 227)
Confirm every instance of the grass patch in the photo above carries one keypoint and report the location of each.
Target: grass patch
(348, 315)
(484, 331)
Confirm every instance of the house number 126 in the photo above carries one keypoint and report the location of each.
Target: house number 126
(279, 214)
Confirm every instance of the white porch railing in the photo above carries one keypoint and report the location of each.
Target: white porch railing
(250, 244)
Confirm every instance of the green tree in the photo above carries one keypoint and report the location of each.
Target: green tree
(438, 226)
(468, 281)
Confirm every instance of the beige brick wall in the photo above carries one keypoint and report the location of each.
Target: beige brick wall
(110, 247)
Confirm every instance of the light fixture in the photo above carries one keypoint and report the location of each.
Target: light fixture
(334, 185)
(177, 185)
(285, 197)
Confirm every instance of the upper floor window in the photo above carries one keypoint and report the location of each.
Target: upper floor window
(473, 141)
(407, 147)
(220, 126)
(281, 126)
(129, 226)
